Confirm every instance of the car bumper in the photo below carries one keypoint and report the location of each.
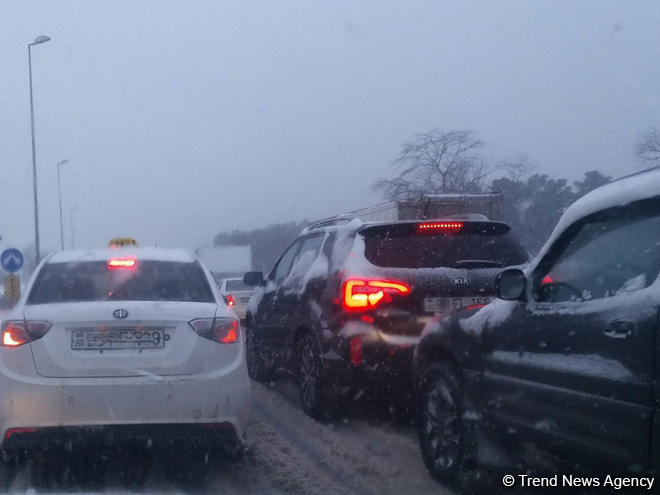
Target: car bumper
(383, 364)
(29, 402)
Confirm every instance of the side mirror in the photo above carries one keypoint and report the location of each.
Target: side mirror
(253, 278)
(510, 285)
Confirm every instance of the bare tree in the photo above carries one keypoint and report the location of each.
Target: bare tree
(517, 168)
(648, 148)
(437, 162)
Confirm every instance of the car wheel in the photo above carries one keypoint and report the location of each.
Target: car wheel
(310, 375)
(255, 365)
(439, 423)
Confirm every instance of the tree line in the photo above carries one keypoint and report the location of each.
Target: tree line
(437, 162)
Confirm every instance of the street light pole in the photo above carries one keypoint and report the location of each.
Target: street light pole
(38, 41)
(59, 198)
(71, 210)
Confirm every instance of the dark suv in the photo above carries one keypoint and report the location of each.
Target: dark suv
(563, 372)
(345, 304)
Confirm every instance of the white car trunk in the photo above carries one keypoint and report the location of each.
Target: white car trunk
(149, 338)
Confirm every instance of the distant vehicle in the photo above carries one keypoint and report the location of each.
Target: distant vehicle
(563, 371)
(445, 206)
(236, 294)
(121, 344)
(346, 303)
(226, 261)
(118, 242)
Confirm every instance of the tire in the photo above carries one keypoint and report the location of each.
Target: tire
(311, 383)
(255, 365)
(442, 435)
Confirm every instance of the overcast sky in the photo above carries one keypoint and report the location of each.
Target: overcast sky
(182, 119)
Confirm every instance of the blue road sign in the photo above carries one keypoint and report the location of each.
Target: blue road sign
(11, 260)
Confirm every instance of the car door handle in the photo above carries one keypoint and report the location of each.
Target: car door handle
(620, 329)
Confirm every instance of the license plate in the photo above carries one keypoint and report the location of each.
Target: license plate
(245, 299)
(446, 304)
(118, 338)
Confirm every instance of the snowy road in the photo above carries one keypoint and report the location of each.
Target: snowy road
(288, 452)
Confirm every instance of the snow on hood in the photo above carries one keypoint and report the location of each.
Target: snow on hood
(620, 192)
(493, 314)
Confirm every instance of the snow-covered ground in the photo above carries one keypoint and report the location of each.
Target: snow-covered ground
(287, 452)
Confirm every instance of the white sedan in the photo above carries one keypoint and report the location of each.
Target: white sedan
(129, 343)
(236, 294)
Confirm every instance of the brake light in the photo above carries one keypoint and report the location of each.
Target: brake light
(359, 294)
(547, 280)
(18, 332)
(435, 226)
(230, 300)
(222, 330)
(22, 429)
(118, 263)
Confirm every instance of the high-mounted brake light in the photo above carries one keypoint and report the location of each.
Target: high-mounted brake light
(230, 300)
(222, 330)
(359, 294)
(435, 226)
(18, 332)
(118, 263)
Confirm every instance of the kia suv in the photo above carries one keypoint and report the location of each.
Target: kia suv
(346, 303)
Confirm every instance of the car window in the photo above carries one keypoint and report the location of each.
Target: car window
(307, 254)
(476, 245)
(283, 267)
(607, 256)
(237, 285)
(93, 281)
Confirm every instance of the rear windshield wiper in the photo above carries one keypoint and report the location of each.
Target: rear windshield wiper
(478, 264)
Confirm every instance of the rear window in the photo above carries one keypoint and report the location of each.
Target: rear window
(93, 281)
(238, 286)
(475, 245)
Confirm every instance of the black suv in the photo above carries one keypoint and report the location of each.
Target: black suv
(562, 373)
(345, 304)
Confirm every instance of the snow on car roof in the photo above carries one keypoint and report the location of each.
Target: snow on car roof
(144, 253)
(642, 185)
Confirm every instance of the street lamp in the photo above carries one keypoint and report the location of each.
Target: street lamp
(71, 210)
(59, 198)
(38, 41)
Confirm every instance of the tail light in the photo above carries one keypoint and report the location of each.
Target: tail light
(18, 332)
(222, 330)
(229, 299)
(359, 294)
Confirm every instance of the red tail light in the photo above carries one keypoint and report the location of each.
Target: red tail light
(222, 330)
(359, 294)
(118, 263)
(230, 300)
(439, 226)
(356, 350)
(18, 332)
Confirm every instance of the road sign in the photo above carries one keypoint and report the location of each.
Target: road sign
(11, 260)
(12, 288)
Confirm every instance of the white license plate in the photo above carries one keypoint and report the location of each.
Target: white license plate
(117, 338)
(446, 304)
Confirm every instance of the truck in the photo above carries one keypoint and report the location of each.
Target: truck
(432, 206)
(226, 261)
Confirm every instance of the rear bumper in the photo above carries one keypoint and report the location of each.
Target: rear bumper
(28, 400)
(209, 434)
(385, 365)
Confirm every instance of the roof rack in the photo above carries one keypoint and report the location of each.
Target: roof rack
(341, 219)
